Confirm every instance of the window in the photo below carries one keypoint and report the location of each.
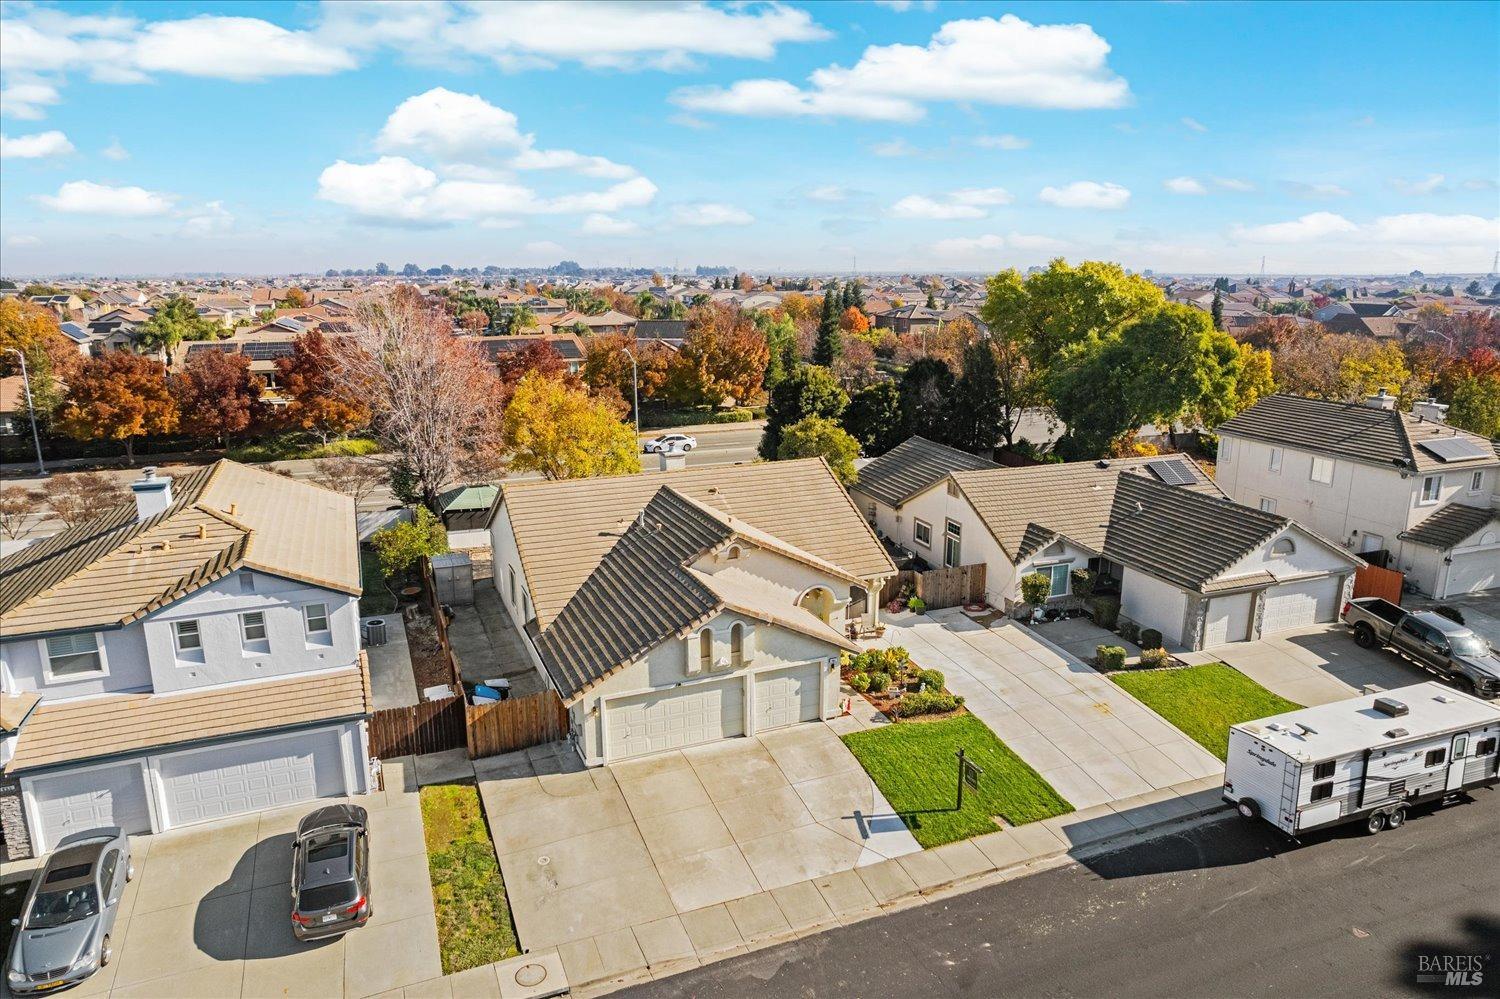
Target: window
(1275, 464)
(1321, 792)
(1436, 757)
(921, 533)
(1432, 487)
(870, 512)
(74, 655)
(952, 545)
(189, 637)
(705, 649)
(253, 627)
(1267, 505)
(1226, 450)
(734, 552)
(737, 645)
(1283, 547)
(1485, 747)
(247, 582)
(510, 573)
(316, 618)
(1322, 470)
(107, 870)
(1324, 770)
(1059, 575)
(1476, 482)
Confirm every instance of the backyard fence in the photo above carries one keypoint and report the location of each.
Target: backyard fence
(429, 727)
(1373, 581)
(440, 622)
(938, 588)
(506, 726)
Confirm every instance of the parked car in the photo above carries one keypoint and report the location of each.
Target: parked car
(669, 443)
(62, 936)
(331, 872)
(1434, 642)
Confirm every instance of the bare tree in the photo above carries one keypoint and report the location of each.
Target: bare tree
(435, 397)
(352, 477)
(81, 496)
(16, 507)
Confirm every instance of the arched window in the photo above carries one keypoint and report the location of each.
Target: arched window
(733, 553)
(705, 649)
(818, 601)
(1284, 547)
(737, 645)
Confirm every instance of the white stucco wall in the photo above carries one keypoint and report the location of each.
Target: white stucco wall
(935, 507)
(1309, 557)
(1152, 603)
(1060, 551)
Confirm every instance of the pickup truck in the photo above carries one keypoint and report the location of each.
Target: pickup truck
(1435, 643)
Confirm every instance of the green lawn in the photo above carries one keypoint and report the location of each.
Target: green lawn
(375, 599)
(915, 766)
(473, 917)
(1204, 701)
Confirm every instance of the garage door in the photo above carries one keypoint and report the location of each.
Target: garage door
(1474, 571)
(786, 696)
(247, 777)
(674, 719)
(1297, 605)
(1228, 619)
(89, 799)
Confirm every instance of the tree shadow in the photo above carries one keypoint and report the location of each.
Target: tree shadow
(1463, 963)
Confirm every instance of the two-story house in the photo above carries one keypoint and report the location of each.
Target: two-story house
(676, 608)
(1404, 489)
(189, 656)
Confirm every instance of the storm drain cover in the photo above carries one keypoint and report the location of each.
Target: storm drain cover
(543, 861)
(530, 975)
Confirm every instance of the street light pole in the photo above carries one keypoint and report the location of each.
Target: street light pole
(41, 466)
(635, 390)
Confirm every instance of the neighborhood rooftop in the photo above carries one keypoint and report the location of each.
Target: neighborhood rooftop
(1452, 525)
(912, 466)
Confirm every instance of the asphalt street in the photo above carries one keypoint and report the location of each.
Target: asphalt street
(1223, 909)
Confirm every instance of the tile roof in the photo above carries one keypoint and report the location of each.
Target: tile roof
(912, 466)
(563, 529)
(1451, 525)
(1348, 430)
(115, 569)
(89, 728)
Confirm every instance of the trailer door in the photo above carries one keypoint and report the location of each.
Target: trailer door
(1456, 761)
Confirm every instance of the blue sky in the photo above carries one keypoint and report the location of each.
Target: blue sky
(911, 136)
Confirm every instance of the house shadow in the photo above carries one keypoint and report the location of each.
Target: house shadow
(267, 933)
(1466, 961)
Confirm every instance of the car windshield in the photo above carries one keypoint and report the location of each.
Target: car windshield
(326, 897)
(54, 908)
(1469, 645)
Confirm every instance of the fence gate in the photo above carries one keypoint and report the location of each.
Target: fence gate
(939, 588)
(429, 727)
(506, 726)
(1373, 581)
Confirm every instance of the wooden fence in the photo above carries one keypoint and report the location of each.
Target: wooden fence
(440, 623)
(1373, 581)
(429, 727)
(505, 726)
(939, 588)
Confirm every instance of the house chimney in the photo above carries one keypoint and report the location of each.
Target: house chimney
(153, 493)
(1381, 400)
(672, 459)
(1430, 409)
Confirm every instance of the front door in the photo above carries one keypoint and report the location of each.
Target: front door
(1456, 762)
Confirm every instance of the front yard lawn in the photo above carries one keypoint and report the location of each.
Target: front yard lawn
(473, 916)
(1203, 701)
(915, 766)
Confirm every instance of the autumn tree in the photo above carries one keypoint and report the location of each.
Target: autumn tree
(217, 396)
(1366, 367)
(79, 496)
(118, 396)
(296, 298)
(854, 322)
(560, 432)
(855, 365)
(808, 391)
(723, 356)
(1475, 405)
(174, 321)
(474, 320)
(320, 401)
(538, 356)
(17, 507)
(357, 478)
(820, 437)
(51, 358)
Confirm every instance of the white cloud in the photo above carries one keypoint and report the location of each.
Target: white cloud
(1023, 241)
(1480, 184)
(392, 187)
(1234, 184)
(962, 247)
(26, 100)
(894, 148)
(115, 151)
(23, 239)
(1194, 124)
(1007, 62)
(1431, 184)
(1086, 194)
(566, 159)
(707, 213)
(902, 6)
(1317, 225)
(827, 192)
(34, 147)
(600, 224)
(634, 193)
(1317, 191)
(210, 220)
(1426, 229)
(544, 248)
(84, 197)
(1008, 142)
(965, 203)
(451, 127)
(236, 48)
(1185, 185)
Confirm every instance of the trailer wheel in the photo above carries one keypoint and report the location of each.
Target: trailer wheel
(1248, 808)
(1375, 822)
(1396, 819)
(1364, 636)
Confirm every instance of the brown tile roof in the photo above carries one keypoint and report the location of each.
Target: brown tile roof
(912, 466)
(89, 728)
(114, 569)
(563, 529)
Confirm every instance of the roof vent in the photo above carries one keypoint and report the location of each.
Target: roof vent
(1276, 726)
(1397, 733)
(1101, 463)
(1391, 707)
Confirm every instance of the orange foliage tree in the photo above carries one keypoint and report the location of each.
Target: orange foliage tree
(319, 402)
(119, 396)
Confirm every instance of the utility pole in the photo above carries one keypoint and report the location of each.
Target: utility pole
(41, 466)
(635, 390)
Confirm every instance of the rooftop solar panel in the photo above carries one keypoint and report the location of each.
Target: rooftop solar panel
(1453, 449)
(1173, 473)
(267, 351)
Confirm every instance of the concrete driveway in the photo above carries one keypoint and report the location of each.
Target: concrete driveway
(1481, 611)
(208, 913)
(1091, 741)
(613, 863)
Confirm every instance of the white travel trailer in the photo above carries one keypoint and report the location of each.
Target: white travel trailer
(1366, 759)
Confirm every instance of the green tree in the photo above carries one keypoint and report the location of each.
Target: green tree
(1216, 310)
(402, 545)
(820, 437)
(978, 409)
(780, 332)
(1055, 313)
(1476, 405)
(829, 344)
(926, 392)
(175, 321)
(810, 390)
(873, 417)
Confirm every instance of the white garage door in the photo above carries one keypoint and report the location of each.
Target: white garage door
(89, 799)
(247, 777)
(674, 719)
(786, 696)
(1228, 619)
(1297, 605)
(1474, 571)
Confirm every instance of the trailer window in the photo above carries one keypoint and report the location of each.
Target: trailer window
(1321, 792)
(1436, 757)
(1484, 747)
(1324, 770)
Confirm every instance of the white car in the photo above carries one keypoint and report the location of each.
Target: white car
(669, 443)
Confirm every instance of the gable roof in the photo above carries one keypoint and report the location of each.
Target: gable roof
(1349, 430)
(911, 467)
(1449, 526)
(115, 569)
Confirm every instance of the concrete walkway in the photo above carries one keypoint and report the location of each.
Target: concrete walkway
(392, 683)
(1089, 739)
(488, 645)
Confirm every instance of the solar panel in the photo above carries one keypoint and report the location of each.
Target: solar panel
(1453, 449)
(1173, 473)
(267, 351)
(227, 348)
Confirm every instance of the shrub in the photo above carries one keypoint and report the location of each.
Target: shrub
(1153, 658)
(1130, 631)
(928, 702)
(1150, 638)
(917, 605)
(1109, 657)
(1106, 611)
(860, 682)
(402, 545)
(931, 679)
(893, 661)
(1082, 582)
(879, 682)
(1035, 586)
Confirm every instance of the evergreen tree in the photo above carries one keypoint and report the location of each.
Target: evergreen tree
(829, 345)
(927, 400)
(1217, 310)
(978, 409)
(931, 301)
(808, 391)
(857, 295)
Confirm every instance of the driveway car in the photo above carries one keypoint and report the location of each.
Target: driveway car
(1429, 639)
(63, 933)
(669, 443)
(331, 872)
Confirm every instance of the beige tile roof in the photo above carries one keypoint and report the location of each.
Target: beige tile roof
(14, 708)
(114, 569)
(563, 529)
(90, 728)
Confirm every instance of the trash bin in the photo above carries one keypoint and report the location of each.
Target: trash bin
(375, 631)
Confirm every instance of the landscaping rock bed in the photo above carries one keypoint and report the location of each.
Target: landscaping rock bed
(899, 688)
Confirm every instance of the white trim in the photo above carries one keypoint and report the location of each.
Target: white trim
(33, 817)
(52, 678)
(1437, 494)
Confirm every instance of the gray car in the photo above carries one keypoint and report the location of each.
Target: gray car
(62, 936)
(331, 872)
